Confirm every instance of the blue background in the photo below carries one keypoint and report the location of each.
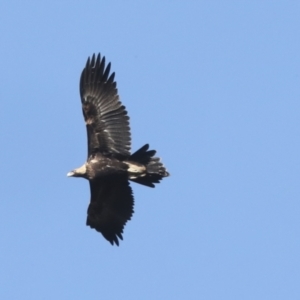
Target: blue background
(214, 86)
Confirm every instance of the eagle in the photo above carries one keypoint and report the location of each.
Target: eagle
(110, 165)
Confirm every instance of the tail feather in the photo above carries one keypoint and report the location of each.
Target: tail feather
(142, 155)
(155, 169)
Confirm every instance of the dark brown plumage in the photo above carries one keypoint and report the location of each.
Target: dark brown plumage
(110, 165)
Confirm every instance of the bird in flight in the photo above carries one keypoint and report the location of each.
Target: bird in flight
(110, 164)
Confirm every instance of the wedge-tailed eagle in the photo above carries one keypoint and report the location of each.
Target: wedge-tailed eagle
(110, 165)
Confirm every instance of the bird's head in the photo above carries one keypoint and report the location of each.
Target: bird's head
(80, 172)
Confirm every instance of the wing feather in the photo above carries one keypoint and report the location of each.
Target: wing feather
(106, 118)
(110, 208)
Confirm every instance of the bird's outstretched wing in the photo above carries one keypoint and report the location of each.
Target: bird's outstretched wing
(106, 118)
(111, 207)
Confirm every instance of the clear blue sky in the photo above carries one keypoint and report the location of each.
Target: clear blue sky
(214, 86)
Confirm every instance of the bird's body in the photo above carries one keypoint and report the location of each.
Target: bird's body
(100, 166)
(109, 165)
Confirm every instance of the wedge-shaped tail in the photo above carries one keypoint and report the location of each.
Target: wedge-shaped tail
(155, 170)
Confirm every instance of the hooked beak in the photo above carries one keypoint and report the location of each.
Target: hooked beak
(70, 174)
